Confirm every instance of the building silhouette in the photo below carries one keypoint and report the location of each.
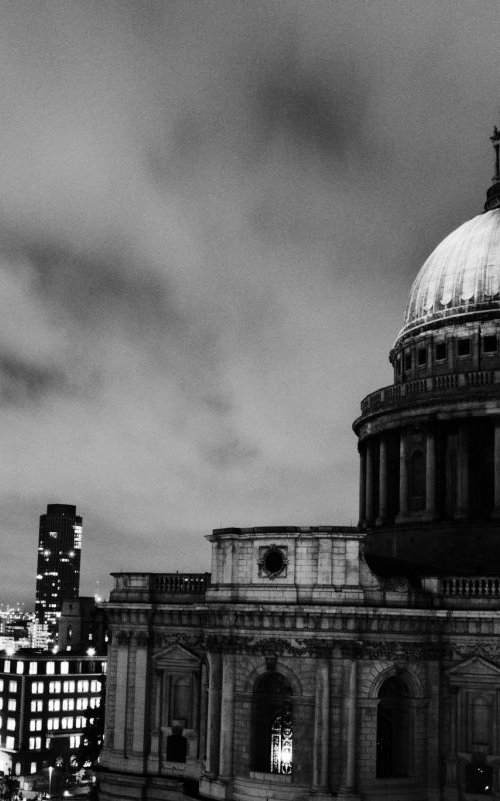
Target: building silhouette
(355, 663)
(58, 564)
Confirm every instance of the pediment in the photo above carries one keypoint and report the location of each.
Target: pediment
(474, 670)
(176, 656)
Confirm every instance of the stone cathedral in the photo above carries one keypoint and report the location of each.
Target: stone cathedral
(329, 662)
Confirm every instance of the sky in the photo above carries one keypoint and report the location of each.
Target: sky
(211, 214)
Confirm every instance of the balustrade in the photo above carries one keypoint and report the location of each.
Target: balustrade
(423, 386)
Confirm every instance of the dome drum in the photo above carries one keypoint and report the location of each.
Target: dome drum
(458, 348)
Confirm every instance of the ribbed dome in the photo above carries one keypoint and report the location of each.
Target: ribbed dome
(462, 274)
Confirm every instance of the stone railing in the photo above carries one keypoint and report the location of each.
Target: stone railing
(471, 587)
(463, 587)
(394, 393)
(155, 587)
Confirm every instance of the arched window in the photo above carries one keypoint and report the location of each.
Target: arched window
(272, 724)
(394, 721)
(417, 481)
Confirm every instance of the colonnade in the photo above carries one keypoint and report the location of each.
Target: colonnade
(374, 461)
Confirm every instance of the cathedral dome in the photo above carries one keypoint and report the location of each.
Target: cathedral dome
(460, 277)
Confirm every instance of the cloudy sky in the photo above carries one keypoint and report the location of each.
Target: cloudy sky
(211, 214)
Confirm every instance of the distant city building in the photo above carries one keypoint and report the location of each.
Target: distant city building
(82, 626)
(58, 568)
(49, 704)
(39, 635)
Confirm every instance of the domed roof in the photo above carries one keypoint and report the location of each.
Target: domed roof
(462, 275)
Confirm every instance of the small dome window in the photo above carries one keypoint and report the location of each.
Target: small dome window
(422, 356)
(490, 343)
(407, 360)
(440, 351)
(463, 346)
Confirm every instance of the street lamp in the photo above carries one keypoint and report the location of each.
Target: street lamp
(50, 780)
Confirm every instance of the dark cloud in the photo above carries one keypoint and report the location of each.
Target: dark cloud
(22, 383)
(231, 454)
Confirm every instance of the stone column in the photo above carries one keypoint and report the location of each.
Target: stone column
(214, 714)
(382, 486)
(496, 510)
(403, 476)
(227, 717)
(430, 476)
(369, 482)
(432, 730)
(462, 507)
(348, 786)
(362, 485)
(321, 726)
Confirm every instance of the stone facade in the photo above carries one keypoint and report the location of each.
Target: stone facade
(355, 663)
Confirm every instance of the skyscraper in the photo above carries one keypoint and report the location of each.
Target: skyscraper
(58, 568)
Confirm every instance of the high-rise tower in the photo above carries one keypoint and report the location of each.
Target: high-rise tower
(58, 568)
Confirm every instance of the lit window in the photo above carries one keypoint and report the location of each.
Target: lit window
(64, 667)
(20, 667)
(82, 703)
(35, 743)
(67, 723)
(83, 686)
(54, 687)
(69, 686)
(1, 703)
(52, 724)
(50, 668)
(33, 668)
(74, 741)
(54, 705)
(32, 767)
(13, 686)
(36, 706)
(95, 686)
(37, 687)
(1, 685)
(9, 743)
(80, 722)
(6, 666)
(12, 704)
(36, 724)
(11, 724)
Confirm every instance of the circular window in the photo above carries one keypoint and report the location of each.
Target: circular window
(273, 561)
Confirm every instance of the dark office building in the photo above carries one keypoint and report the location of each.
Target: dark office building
(58, 568)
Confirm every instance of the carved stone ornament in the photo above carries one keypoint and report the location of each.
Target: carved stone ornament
(273, 561)
(401, 651)
(162, 640)
(398, 584)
